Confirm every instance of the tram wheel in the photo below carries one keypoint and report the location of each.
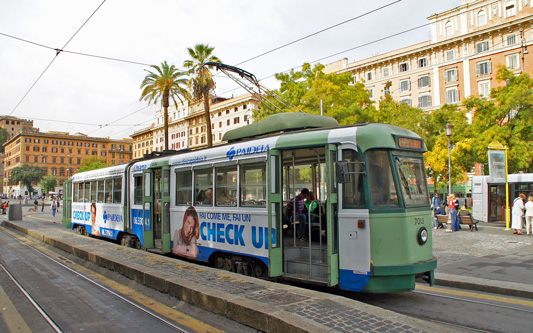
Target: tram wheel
(220, 262)
(125, 240)
(259, 269)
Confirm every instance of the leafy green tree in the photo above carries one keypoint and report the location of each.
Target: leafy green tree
(28, 175)
(92, 163)
(164, 83)
(507, 118)
(201, 81)
(4, 136)
(348, 103)
(48, 183)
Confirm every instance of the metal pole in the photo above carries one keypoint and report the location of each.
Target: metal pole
(507, 210)
(449, 168)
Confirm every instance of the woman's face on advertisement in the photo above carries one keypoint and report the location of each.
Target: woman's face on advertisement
(93, 214)
(188, 226)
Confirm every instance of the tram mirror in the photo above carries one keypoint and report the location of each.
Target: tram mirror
(343, 175)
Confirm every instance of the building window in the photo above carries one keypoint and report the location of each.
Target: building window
(511, 39)
(450, 55)
(482, 46)
(405, 85)
(423, 81)
(510, 9)
(405, 101)
(424, 101)
(483, 68)
(481, 18)
(236, 120)
(386, 71)
(404, 67)
(448, 29)
(27, 140)
(228, 122)
(422, 62)
(512, 61)
(452, 96)
(369, 76)
(35, 140)
(484, 88)
(450, 75)
(371, 92)
(386, 90)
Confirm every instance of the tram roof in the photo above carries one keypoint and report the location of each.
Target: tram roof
(281, 122)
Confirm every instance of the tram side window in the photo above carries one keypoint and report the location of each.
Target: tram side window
(183, 187)
(226, 186)
(381, 181)
(75, 192)
(108, 193)
(100, 194)
(87, 196)
(253, 185)
(353, 192)
(203, 187)
(412, 180)
(117, 190)
(93, 191)
(138, 190)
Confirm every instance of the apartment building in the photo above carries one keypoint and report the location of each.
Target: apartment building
(468, 44)
(187, 124)
(59, 153)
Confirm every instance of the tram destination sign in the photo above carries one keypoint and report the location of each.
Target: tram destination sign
(409, 143)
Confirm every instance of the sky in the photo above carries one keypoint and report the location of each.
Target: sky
(82, 90)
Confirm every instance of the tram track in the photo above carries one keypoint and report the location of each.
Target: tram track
(48, 318)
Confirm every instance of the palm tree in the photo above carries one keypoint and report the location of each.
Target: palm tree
(164, 83)
(202, 82)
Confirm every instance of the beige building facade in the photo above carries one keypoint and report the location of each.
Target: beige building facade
(59, 153)
(468, 44)
(187, 125)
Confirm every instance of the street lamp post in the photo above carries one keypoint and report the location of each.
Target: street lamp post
(449, 131)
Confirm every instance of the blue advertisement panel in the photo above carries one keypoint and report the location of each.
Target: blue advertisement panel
(137, 223)
(201, 232)
(99, 219)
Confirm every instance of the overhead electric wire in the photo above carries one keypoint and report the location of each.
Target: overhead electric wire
(253, 58)
(320, 31)
(58, 51)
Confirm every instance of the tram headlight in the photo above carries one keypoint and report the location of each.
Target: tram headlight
(423, 236)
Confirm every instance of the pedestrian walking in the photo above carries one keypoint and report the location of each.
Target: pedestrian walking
(42, 206)
(518, 214)
(529, 213)
(435, 202)
(453, 204)
(53, 206)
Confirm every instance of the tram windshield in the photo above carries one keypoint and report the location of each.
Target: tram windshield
(412, 180)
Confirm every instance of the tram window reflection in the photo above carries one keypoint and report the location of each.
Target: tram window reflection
(353, 192)
(253, 184)
(381, 181)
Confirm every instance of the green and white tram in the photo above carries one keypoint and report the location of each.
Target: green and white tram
(371, 231)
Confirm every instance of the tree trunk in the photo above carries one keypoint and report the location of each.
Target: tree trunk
(166, 103)
(208, 121)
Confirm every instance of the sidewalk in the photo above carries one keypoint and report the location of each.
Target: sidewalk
(491, 259)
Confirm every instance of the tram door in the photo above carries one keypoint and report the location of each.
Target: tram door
(305, 251)
(156, 203)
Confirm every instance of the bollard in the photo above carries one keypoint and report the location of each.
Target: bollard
(449, 223)
(14, 212)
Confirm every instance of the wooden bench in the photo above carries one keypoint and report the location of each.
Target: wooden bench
(441, 220)
(467, 219)
(463, 219)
